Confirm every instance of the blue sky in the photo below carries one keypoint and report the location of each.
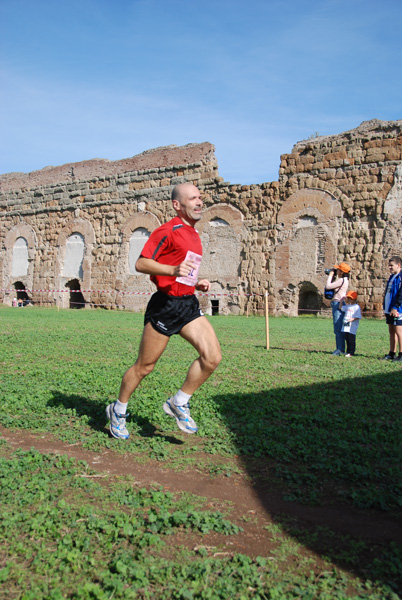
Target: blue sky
(111, 78)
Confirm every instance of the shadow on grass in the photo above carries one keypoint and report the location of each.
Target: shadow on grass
(305, 350)
(81, 406)
(327, 458)
(97, 419)
(327, 352)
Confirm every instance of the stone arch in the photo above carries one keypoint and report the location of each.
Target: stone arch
(393, 202)
(221, 231)
(146, 220)
(21, 294)
(392, 243)
(308, 224)
(137, 241)
(310, 299)
(19, 266)
(225, 212)
(141, 221)
(306, 221)
(76, 298)
(79, 227)
(74, 255)
(133, 283)
(25, 232)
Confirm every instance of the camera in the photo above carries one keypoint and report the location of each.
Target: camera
(328, 271)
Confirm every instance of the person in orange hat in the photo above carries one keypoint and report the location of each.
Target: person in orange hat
(351, 319)
(338, 281)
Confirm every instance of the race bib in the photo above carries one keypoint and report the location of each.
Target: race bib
(192, 278)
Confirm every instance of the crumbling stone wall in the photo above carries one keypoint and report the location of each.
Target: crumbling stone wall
(337, 198)
(104, 203)
(308, 231)
(361, 170)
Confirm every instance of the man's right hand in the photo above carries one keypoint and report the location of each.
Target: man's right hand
(183, 269)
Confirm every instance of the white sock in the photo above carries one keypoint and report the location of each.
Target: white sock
(120, 408)
(181, 399)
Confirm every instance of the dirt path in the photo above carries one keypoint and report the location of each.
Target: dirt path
(254, 505)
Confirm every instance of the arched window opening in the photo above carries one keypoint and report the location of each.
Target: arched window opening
(20, 258)
(218, 222)
(77, 300)
(137, 242)
(309, 301)
(221, 251)
(22, 297)
(306, 221)
(304, 247)
(75, 247)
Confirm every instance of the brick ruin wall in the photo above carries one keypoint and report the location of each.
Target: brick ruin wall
(338, 198)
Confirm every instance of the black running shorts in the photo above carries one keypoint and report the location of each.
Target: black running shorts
(169, 314)
(392, 320)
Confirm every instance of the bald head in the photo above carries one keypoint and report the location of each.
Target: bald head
(187, 202)
(182, 189)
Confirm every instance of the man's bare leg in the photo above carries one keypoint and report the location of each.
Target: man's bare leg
(201, 335)
(152, 346)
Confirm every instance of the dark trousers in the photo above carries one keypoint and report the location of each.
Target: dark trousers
(350, 343)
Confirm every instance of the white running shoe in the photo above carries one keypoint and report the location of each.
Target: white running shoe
(117, 426)
(182, 416)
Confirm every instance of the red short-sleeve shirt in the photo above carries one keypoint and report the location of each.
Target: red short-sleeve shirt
(169, 245)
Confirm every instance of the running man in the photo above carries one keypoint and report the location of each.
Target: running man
(172, 256)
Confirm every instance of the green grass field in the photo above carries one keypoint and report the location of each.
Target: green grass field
(328, 427)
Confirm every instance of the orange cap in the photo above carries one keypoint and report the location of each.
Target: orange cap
(352, 295)
(343, 267)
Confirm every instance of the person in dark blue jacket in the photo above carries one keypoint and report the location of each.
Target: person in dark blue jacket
(393, 308)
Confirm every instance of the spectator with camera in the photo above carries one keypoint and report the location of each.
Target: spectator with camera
(336, 287)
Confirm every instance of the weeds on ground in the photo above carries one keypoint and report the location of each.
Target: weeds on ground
(325, 426)
(67, 534)
(317, 427)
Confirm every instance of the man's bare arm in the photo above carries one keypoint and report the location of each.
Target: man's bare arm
(152, 267)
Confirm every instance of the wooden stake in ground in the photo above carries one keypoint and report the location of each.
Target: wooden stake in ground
(266, 321)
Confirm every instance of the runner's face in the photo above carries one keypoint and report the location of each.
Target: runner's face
(189, 205)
